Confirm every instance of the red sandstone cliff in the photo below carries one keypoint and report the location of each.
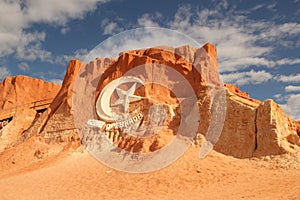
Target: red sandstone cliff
(18, 97)
(19, 90)
(251, 128)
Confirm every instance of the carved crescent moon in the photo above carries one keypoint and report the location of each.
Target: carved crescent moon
(103, 102)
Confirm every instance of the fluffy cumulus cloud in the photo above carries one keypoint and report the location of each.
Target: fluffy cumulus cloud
(292, 88)
(292, 107)
(291, 101)
(4, 72)
(57, 11)
(139, 39)
(241, 42)
(293, 78)
(17, 16)
(112, 27)
(249, 77)
(148, 20)
(30, 47)
(79, 54)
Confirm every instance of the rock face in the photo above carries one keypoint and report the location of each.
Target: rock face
(17, 96)
(241, 96)
(56, 124)
(155, 65)
(20, 123)
(241, 135)
(238, 137)
(251, 127)
(19, 90)
(277, 133)
(256, 129)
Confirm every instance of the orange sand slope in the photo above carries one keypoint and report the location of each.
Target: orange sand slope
(41, 157)
(79, 176)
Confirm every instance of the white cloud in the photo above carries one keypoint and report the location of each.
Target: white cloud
(79, 54)
(118, 24)
(58, 11)
(112, 27)
(292, 88)
(11, 25)
(4, 72)
(23, 66)
(279, 97)
(241, 42)
(279, 32)
(257, 7)
(149, 20)
(30, 47)
(294, 78)
(292, 107)
(51, 76)
(140, 38)
(244, 78)
(271, 6)
(65, 30)
(18, 16)
(287, 61)
(232, 34)
(244, 62)
(56, 81)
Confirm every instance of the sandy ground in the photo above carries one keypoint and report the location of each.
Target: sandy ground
(77, 175)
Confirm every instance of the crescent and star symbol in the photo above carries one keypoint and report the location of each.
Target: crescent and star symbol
(126, 97)
(103, 107)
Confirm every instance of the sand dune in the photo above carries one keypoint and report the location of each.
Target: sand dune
(79, 176)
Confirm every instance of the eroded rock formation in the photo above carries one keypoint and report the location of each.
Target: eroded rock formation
(22, 98)
(20, 90)
(251, 127)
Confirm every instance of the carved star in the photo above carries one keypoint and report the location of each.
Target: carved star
(125, 97)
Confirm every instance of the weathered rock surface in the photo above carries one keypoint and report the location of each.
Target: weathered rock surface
(241, 96)
(19, 96)
(251, 127)
(56, 123)
(241, 132)
(10, 133)
(19, 90)
(256, 129)
(277, 133)
(238, 137)
(155, 65)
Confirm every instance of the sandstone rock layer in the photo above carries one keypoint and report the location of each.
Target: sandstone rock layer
(251, 127)
(19, 90)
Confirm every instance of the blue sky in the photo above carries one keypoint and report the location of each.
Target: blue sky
(258, 41)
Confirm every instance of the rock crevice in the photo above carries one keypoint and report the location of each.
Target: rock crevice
(255, 132)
